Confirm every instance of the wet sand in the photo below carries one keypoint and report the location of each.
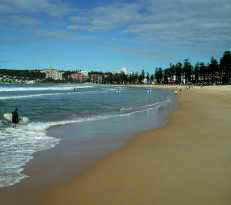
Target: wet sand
(186, 162)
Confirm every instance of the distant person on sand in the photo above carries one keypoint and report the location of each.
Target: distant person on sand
(15, 118)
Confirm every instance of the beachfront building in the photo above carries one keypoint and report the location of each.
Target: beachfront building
(80, 76)
(76, 76)
(53, 74)
(96, 77)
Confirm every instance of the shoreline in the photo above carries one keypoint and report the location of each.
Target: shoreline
(98, 183)
(185, 162)
(45, 169)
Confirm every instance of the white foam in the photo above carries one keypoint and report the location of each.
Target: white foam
(32, 96)
(126, 109)
(48, 94)
(17, 145)
(146, 107)
(18, 89)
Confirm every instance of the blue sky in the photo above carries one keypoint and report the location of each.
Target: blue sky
(110, 34)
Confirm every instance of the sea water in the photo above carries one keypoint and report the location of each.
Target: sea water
(104, 109)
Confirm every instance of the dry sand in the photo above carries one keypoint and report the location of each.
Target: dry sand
(187, 162)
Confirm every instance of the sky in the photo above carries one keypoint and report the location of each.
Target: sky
(110, 34)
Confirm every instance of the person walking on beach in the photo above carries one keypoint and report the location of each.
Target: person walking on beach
(15, 118)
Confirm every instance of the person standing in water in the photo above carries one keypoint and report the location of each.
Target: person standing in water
(15, 118)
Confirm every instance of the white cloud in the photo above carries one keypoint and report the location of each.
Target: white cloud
(107, 18)
(184, 21)
(165, 19)
(52, 8)
(19, 20)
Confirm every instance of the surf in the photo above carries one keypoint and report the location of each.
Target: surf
(8, 117)
(51, 88)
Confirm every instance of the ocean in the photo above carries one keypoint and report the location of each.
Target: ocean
(57, 113)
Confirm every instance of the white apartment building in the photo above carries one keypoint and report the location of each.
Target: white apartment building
(53, 74)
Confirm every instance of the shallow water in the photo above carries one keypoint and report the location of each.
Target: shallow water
(93, 113)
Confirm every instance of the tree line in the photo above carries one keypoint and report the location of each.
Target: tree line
(214, 72)
(122, 78)
(23, 74)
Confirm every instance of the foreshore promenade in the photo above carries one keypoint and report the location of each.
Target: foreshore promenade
(185, 162)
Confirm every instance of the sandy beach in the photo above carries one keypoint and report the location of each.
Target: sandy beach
(186, 162)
